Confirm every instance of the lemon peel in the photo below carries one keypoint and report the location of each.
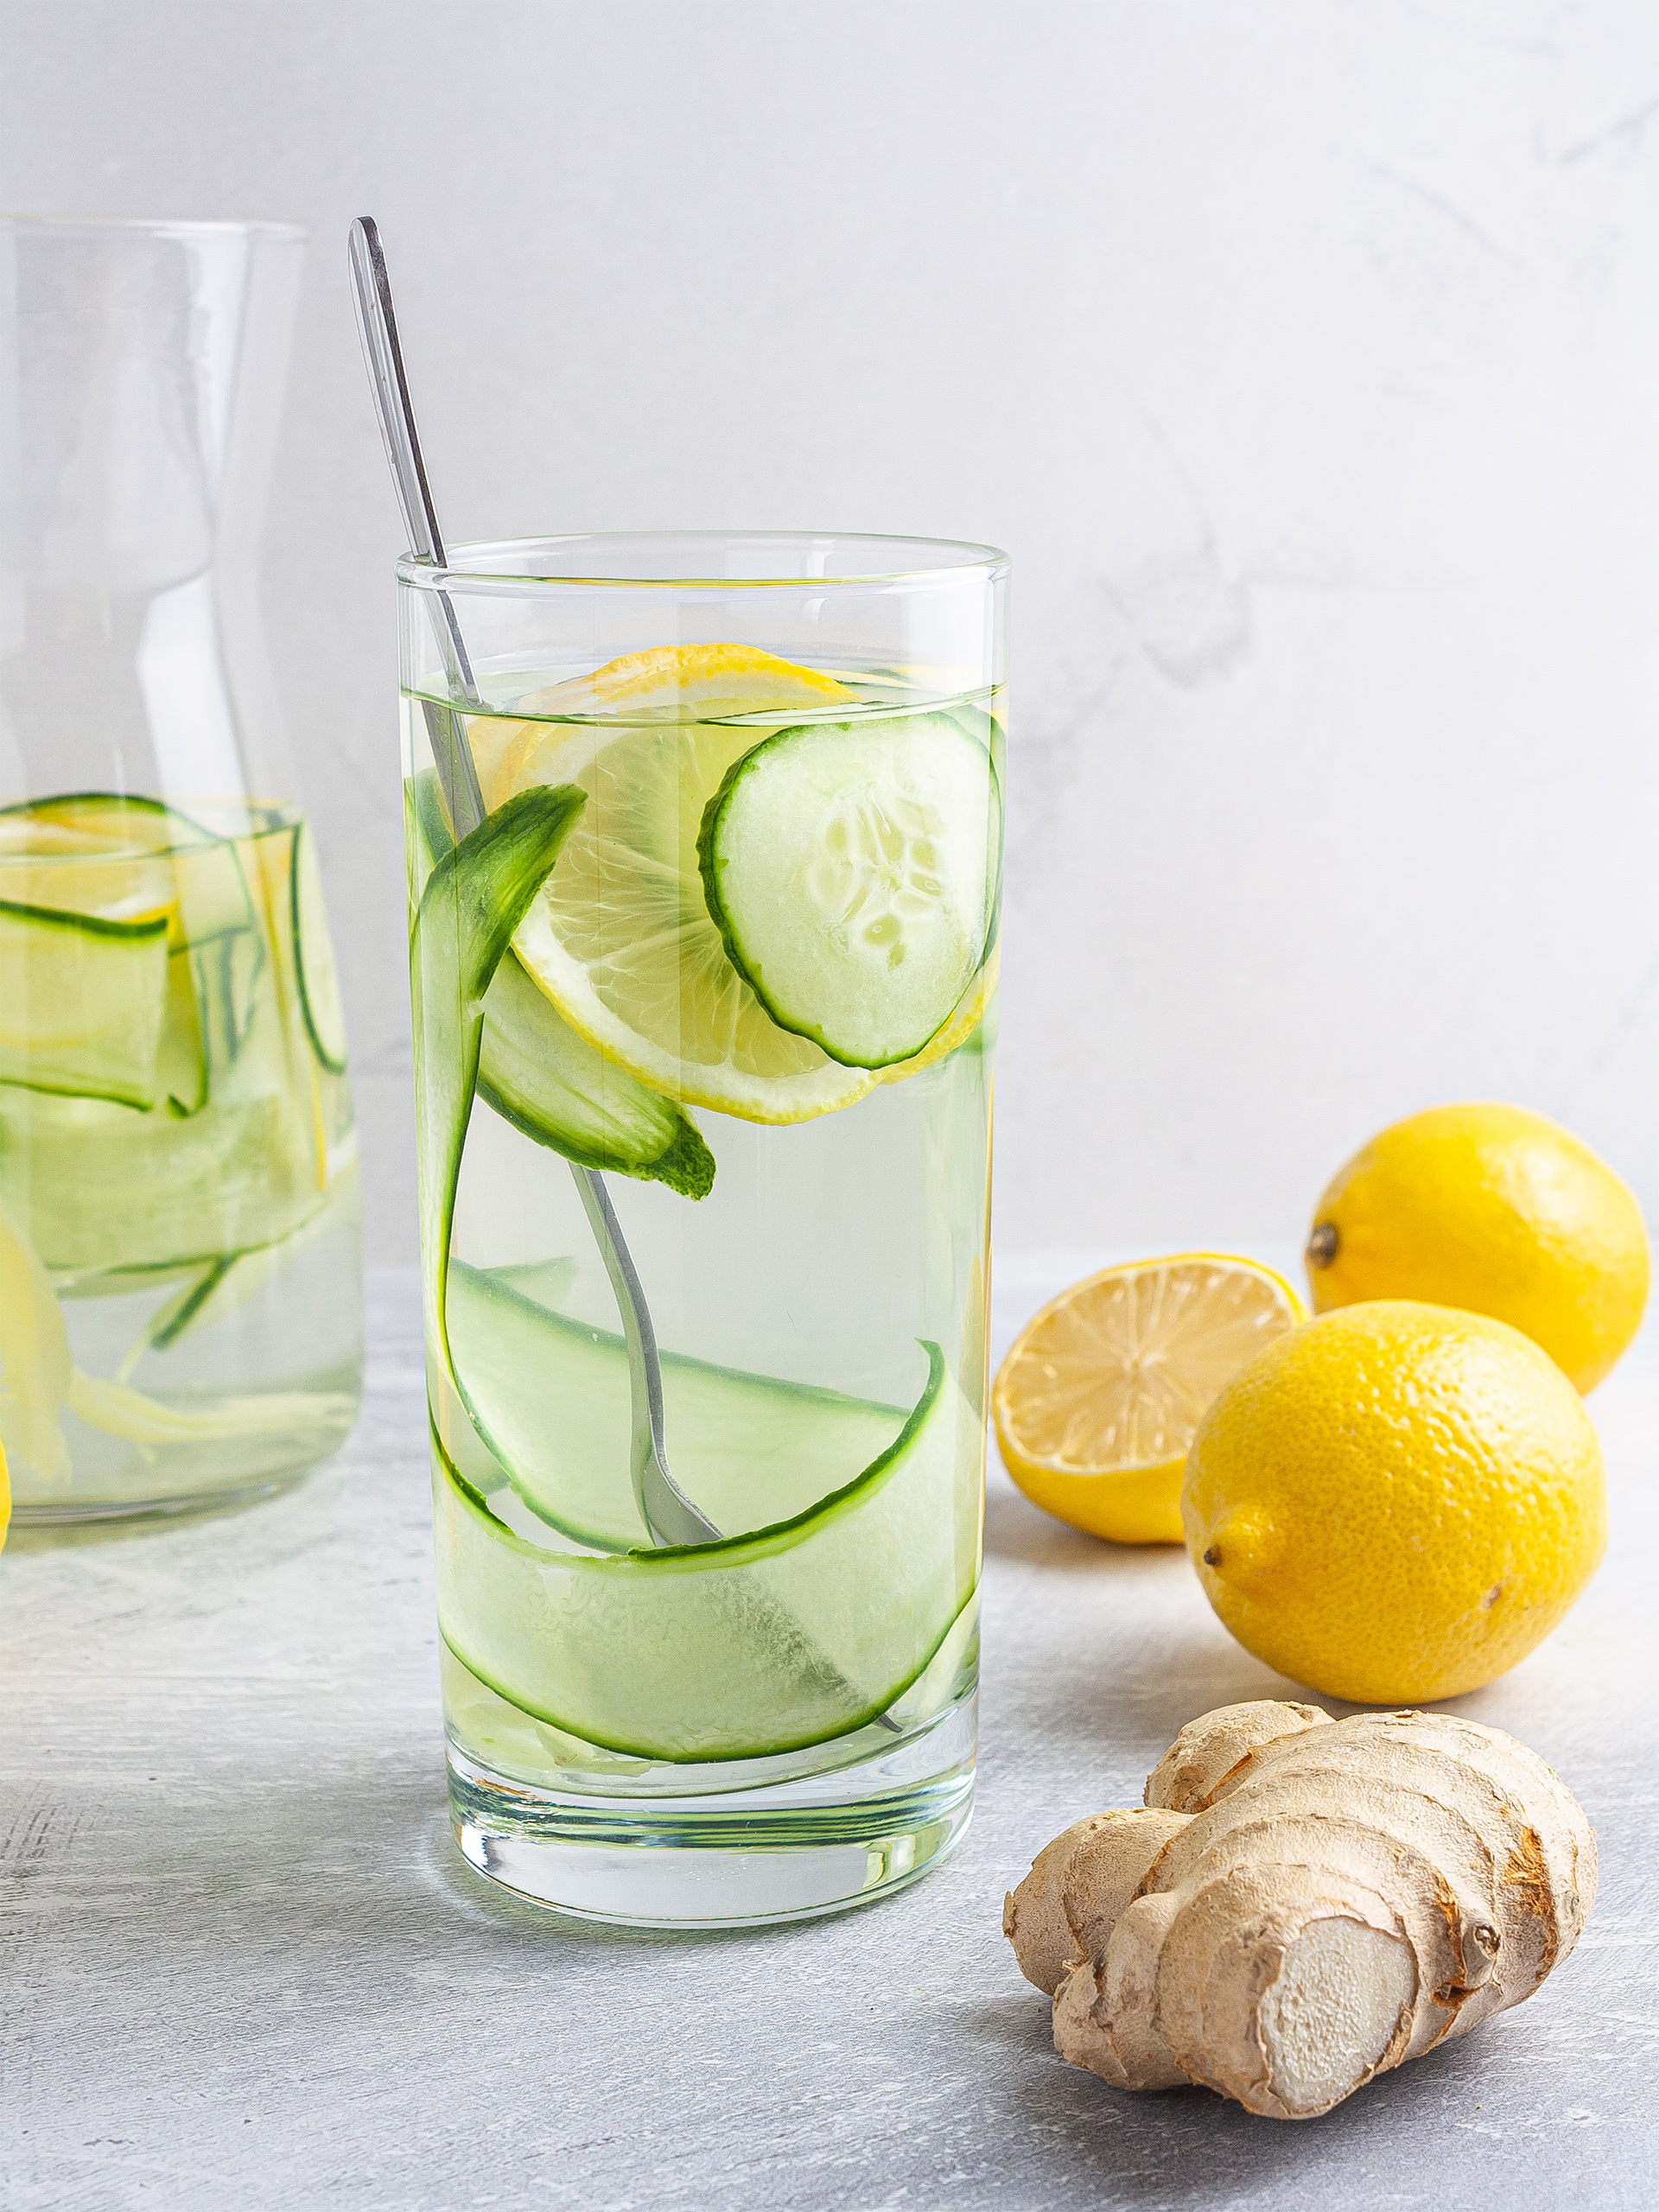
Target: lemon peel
(1495, 1210)
(1395, 1502)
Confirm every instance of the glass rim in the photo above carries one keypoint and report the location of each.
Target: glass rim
(421, 573)
(155, 225)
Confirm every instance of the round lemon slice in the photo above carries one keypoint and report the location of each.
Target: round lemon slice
(620, 938)
(1097, 1403)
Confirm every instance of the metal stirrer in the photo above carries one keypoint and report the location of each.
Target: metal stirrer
(663, 1507)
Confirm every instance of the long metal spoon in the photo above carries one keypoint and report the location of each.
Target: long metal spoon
(666, 1510)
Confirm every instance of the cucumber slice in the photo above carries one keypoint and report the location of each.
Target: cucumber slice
(475, 899)
(124, 821)
(550, 1396)
(98, 1188)
(49, 864)
(540, 1075)
(140, 855)
(179, 1316)
(427, 822)
(182, 1078)
(561, 1092)
(225, 947)
(314, 957)
(851, 869)
(220, 1286)
(201, 875)
(544, 1282)
(754, 1646)
(82, 1003)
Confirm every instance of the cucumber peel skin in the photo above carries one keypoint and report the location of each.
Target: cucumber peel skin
(552, 1085)
(861, 928)
(319, 1008)
(475, 899)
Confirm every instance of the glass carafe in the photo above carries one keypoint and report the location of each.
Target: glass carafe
(180, 1307)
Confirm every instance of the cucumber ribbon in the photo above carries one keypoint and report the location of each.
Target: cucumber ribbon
(549, 1083)
(38, 1379)
(476, 896)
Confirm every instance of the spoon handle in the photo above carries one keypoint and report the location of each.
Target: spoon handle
(664, 1506)
(377, 322)
(667, 1512)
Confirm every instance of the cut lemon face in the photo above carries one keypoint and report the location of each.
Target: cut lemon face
(620, 938)
(1100, 1397)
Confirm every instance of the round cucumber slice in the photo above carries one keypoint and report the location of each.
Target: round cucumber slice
(851, 869)
(314, 957)
(762, 1644)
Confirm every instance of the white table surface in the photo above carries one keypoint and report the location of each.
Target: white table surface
(242, 1965)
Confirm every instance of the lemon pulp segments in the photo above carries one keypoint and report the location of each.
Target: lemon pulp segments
(1102, 1393)
(621, 939)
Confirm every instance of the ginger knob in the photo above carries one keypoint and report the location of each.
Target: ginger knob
(1305, 1903)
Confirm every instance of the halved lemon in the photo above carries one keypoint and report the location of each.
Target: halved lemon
(1097, 1403)
(620, 938)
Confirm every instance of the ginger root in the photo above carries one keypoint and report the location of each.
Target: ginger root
(1304, 1903)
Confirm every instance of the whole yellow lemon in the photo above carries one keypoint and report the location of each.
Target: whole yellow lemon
(1499, 1211)
(1394, 1503)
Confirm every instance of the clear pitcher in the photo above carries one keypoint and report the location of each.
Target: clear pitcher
(180, 1307)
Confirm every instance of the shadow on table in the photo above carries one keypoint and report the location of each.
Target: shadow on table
(1017, 1530)
(1190, 2147)
(1143, 1653)
(306, 1874)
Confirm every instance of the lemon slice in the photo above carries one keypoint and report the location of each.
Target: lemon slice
(667, 684)
(1097, 1403)
(620, 937)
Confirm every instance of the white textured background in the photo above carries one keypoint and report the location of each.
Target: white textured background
(1305, 355)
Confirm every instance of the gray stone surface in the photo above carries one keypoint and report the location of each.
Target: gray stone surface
(241, 1964)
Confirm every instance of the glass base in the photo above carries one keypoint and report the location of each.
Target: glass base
(94, 1513)
(728, 1857)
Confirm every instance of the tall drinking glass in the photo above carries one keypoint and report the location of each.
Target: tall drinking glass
(179, 1290)
(703, 1014)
